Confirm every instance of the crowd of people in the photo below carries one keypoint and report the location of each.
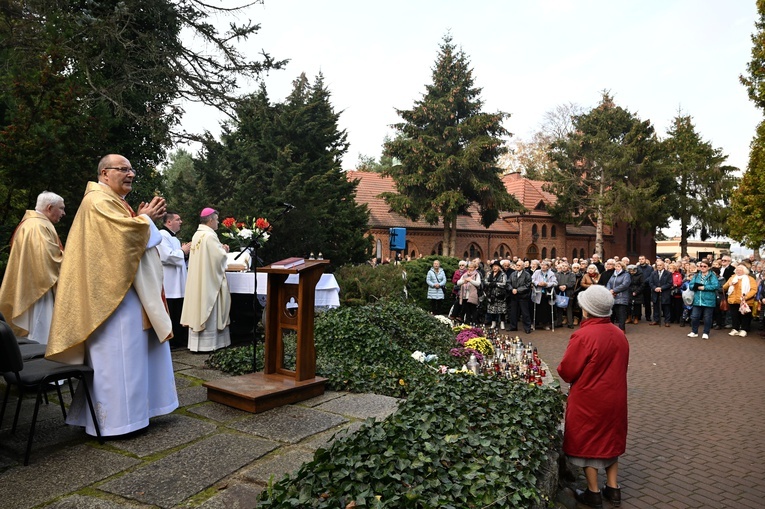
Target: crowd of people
(511, 293)
(119, 314)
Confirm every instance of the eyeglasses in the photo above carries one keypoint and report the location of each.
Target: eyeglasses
(703, 265)
(122, 169)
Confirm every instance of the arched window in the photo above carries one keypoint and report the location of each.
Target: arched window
(438, 249)
(574, 255)
(629, 240)
(532, 252)
(553, 253)
(553, 231)
(474, 252)
(534, 230)
(544, 230)
(544, 251)
(503, 251)
(581, 253)
(634, 240)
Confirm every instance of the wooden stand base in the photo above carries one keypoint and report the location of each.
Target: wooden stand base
(258, 392)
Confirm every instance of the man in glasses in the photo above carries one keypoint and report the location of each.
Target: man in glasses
(27, 292)
(111, 311)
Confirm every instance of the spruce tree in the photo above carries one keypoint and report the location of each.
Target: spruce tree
(702, 184)
(447, 151)
(607, 171)
(288, 152)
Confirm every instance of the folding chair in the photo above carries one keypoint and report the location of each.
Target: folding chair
(39, 375)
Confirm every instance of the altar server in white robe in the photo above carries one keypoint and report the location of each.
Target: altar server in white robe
(207, 303)
(173, 256)
(110, 310)
(29, 285)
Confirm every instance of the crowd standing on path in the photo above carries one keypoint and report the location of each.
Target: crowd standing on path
(543, 294)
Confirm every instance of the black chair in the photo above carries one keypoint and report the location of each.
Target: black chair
(39, 375)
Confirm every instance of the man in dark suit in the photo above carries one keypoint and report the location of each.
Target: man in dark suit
(660, 283)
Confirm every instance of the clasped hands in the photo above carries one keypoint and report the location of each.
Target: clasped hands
(155, 209)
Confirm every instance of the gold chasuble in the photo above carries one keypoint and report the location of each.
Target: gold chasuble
(106, 255)
(206, 283)
(33, 266)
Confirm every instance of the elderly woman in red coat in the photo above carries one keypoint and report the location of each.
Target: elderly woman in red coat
(595, 364)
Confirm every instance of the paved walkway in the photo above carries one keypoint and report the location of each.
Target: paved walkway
(696, 440)
(696, 417)
(202, 455)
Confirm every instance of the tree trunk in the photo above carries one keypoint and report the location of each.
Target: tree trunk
(599, 221)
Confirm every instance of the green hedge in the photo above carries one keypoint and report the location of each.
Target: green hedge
(462, 442)
(365, 348)
(364, 284)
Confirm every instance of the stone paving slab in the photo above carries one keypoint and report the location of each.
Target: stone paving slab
(189, 358)
(289, 424)
(192, 395)
(58, 474)
(237, 496)
(204, 373)
(318, 400)
(48, 433)
(219, 412)
(361, 406)
(165, 432)
(83, 502)
(284, 461)
(182, 474)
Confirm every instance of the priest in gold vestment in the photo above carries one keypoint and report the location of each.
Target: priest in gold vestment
(207, 303)
(28, 289)
(110, 310)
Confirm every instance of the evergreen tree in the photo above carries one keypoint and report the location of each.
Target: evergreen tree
(287, 152)
(746, 223)
(81, 79)
(702, 183)
(447, 151)
(607, 171)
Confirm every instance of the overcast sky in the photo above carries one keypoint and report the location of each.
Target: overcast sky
(656, 57)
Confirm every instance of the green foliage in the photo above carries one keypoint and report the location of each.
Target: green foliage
(608, 170)
(368, 348)
(746, 223)
(364, 349)
(755, 80)
(703, 185)
(448, 150)
(238, 360)
(285, 152)
(464, 441)
(364, 284)
(417, 271)
(82, 79)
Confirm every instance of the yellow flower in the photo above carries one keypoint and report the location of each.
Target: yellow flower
(401, 381)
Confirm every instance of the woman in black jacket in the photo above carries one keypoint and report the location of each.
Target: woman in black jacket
(636, 294)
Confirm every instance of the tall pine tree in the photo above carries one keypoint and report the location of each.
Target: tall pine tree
(287, 152)
(607, 171)
(447, 151)
(702, 183)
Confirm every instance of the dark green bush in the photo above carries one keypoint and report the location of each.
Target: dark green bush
(417, 271)
(464, 441)
(366, 349)
(364, 284)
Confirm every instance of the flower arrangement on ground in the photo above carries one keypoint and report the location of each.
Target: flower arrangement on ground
(471, 340)
(243, 232)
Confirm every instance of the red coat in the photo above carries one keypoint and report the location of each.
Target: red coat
(595, 364)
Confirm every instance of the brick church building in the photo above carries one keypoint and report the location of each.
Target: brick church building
(532, 234)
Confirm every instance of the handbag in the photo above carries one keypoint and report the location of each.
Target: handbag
(561, 301)
(688, 297)
(724, 304)
(744, 308)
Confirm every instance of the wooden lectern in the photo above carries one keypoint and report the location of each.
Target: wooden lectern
(288, 307)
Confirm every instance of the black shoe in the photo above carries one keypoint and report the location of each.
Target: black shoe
(527, 331)
(613, 495)
(589, 498)
(570, 326)
(682, 324)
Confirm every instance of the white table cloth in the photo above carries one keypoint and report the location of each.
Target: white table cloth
(327, 290)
